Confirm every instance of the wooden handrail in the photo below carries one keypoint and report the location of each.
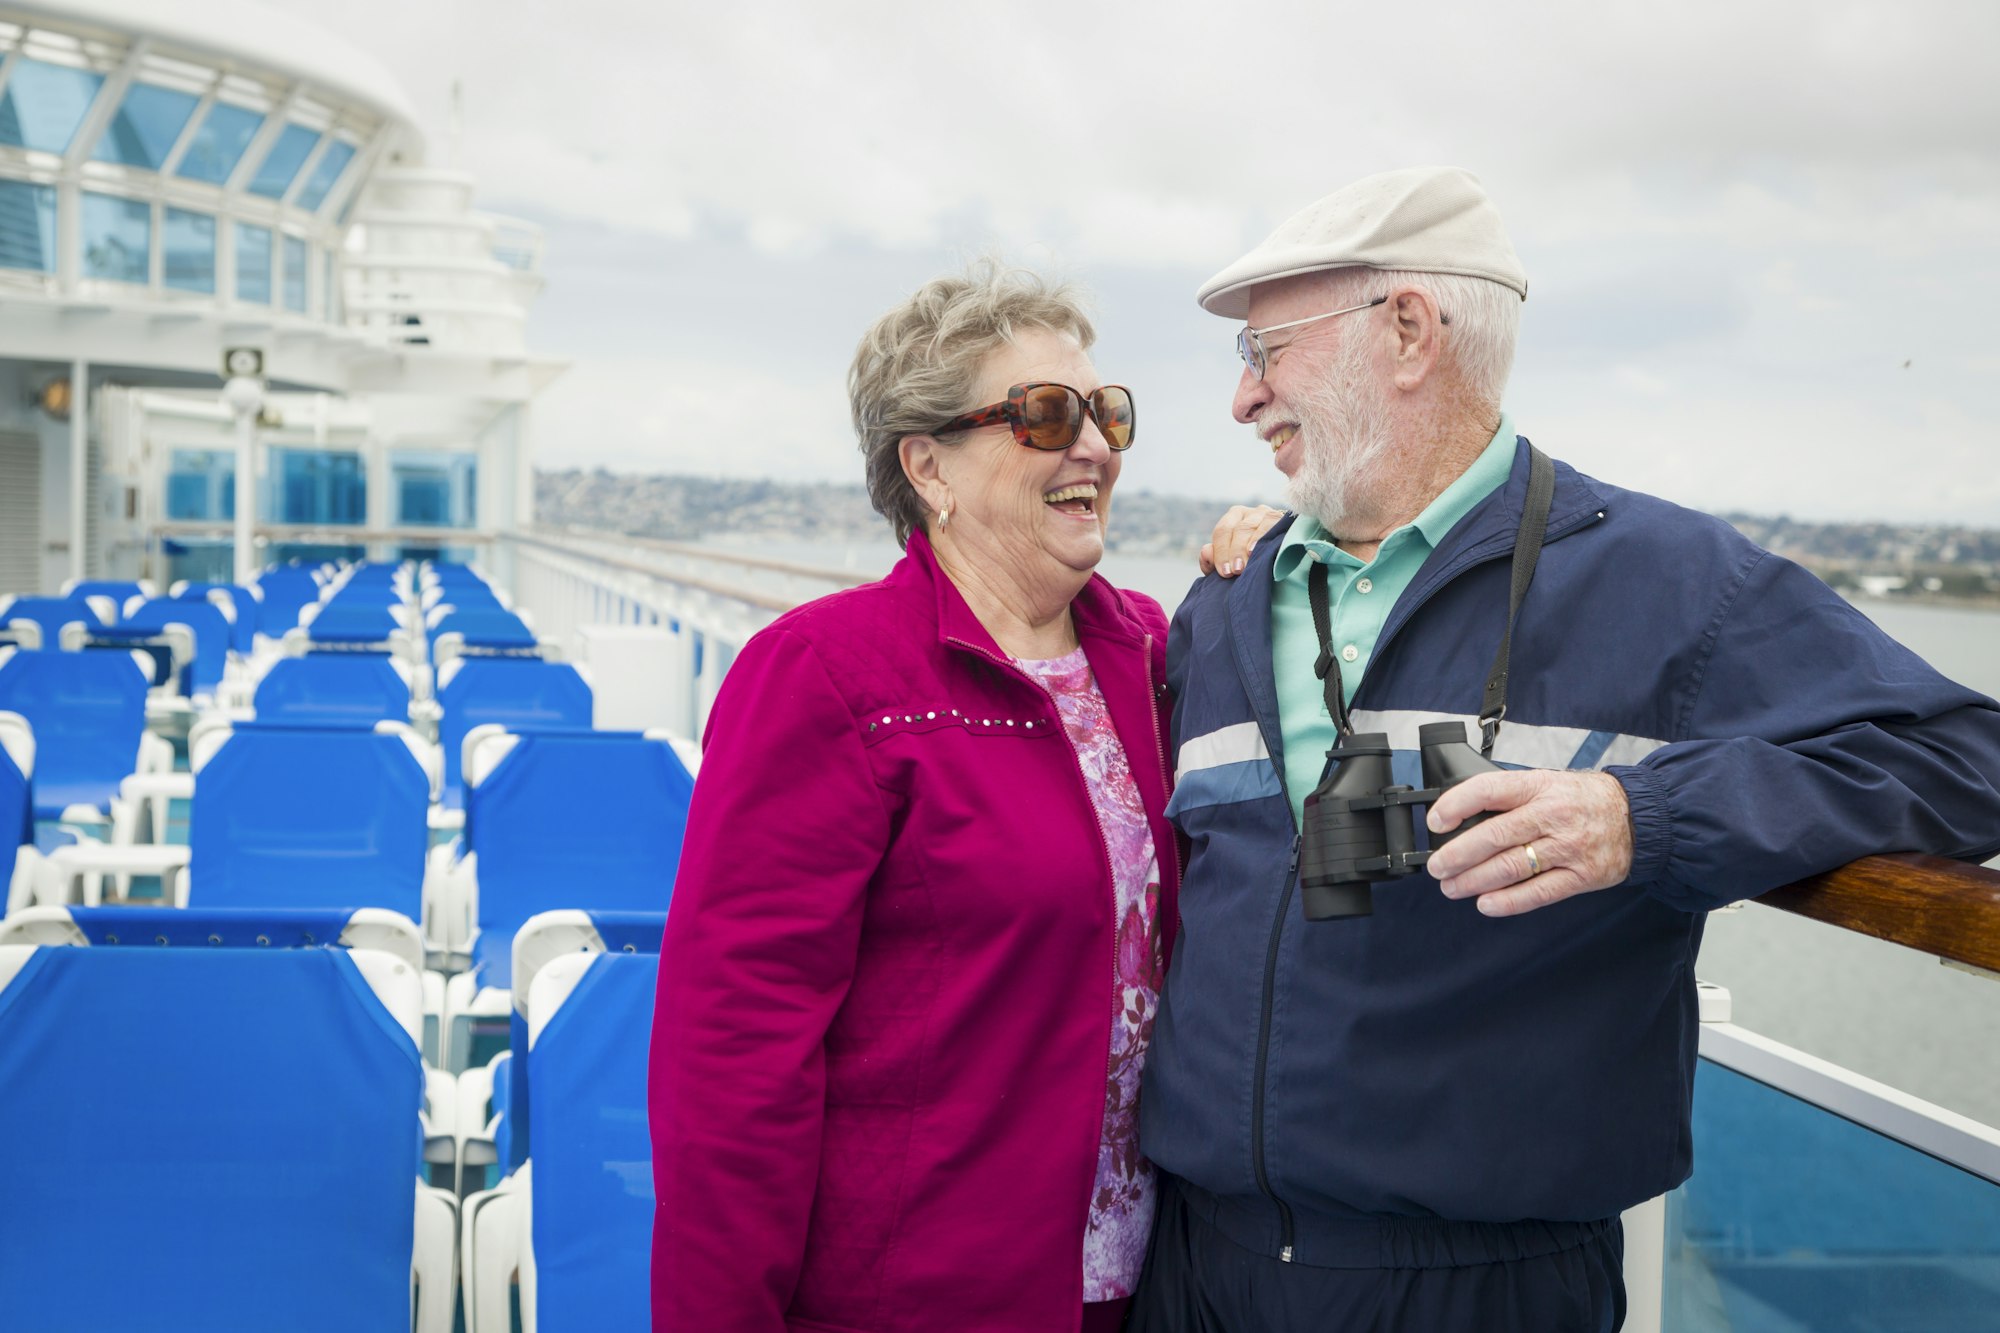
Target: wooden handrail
(1927, 903)
(322, 534)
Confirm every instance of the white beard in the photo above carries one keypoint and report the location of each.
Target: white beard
(1344, 430)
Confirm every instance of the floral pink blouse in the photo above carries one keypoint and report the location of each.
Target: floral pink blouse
(1121, 1203)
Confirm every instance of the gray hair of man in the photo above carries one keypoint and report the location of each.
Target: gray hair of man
(1483, 321)
(918, 366)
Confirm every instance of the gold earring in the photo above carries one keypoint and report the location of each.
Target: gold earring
(944, 517)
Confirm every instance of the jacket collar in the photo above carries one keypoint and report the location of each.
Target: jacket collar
(1488, 530)
(1497, 518)
(1098, 609)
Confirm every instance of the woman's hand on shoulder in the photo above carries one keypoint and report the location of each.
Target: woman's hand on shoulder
(1227, 551)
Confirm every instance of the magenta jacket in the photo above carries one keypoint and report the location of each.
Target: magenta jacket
(884, 1018)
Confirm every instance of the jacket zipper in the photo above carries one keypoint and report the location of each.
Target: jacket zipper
(1111, 878)
(1257, 1165)
(1264, 1052)
(1166, 778)
(1285, 1227)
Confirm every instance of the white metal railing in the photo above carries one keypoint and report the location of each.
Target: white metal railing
(1930, 1129)
(707, 620)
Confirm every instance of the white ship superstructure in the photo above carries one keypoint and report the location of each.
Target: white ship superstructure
(180, 181)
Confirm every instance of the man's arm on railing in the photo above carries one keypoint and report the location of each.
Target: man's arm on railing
(1809, 739)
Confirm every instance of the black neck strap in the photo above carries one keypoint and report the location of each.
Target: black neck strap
(1324, 668)
(1527, 550)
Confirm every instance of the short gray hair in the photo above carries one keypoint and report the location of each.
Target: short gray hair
(1485, 321)
(918, 366)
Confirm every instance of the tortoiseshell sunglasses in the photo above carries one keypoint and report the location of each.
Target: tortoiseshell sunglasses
(1050, 416)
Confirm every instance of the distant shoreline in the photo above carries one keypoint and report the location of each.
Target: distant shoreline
(1986, 604)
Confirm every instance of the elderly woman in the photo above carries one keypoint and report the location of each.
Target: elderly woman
(927, 889)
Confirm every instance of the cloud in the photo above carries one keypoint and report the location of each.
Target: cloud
(710, 417)
(1739, 220)
(1179, 121)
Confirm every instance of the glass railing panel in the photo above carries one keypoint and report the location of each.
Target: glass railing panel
(287, 155)
(117, 238)
(1798, 1219)
(253, 263)
(434, 488)
(219, 144)
(148, 123)
(201, 485)
(315, 486)
(187, 250)
(42, 104)
(295, 274)
(331, 163)
(28, 226)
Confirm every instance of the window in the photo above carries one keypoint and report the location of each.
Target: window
(295, 274)
(331, 163)
(187, 241)
(201, 484)
(253, 263)
(218, 145)
(28, 226)
(43, 104)
(434, 489)
(283, 161)
(146, 127)
(317, 486)
(117, 238)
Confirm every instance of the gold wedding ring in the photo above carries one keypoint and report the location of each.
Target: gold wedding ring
(1534, 862)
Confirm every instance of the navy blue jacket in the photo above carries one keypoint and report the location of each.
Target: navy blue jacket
(1429, 1061)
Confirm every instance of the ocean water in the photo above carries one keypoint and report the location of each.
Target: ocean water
(1879, 1009)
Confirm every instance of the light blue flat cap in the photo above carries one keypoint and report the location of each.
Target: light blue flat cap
(1421, 219)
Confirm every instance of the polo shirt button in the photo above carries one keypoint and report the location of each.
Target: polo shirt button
(1349, 653)
(1364, 585)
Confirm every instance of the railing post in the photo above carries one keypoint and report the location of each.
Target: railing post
(1645, 1265)
(680, 678)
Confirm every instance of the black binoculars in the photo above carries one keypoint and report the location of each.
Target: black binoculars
(1357, 826)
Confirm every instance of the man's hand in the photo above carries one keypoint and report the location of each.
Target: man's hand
(1228, 550)
(1579, 825)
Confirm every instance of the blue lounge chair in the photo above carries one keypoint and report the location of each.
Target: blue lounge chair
(272, 1060)
(579, 1212)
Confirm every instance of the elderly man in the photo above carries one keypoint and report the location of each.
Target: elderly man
(1431, 1117)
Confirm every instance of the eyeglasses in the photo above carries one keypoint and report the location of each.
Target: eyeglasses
(1050, 416)
(1250, 342)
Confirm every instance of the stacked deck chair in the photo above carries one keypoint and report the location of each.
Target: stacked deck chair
(38, 622)
(515, 692)
(555, 819)
(572, 1225)
(17, 809)
(218, 1120)
(284, 591)
(88, 715)
(319, 688)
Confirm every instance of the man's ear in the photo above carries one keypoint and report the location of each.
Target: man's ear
(923, 459)
(1418, 325)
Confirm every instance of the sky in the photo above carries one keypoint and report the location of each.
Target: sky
(1762, 240)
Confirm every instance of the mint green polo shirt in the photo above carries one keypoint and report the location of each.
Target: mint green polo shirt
(1362, 596)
